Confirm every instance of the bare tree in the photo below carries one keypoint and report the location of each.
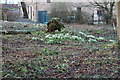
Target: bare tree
(68, 12)
(61, 10)
(107, 6)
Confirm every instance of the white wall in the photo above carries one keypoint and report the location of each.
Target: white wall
(96, 17)
(10, 1)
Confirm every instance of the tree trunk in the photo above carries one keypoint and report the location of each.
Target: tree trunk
(109, 13)
(79, 17)
(118, 18)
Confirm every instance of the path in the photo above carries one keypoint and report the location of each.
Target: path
(25, 20)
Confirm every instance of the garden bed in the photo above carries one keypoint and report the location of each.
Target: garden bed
(75, 52)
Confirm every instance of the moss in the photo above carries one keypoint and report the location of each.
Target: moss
(58, 19)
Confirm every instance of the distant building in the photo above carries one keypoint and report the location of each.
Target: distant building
(98, 16)
(6, 9)
(9, 1)
(38, 11)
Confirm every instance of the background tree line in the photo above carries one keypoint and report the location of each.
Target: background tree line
(67, 14)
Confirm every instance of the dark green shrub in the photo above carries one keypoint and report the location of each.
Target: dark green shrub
(54, 24)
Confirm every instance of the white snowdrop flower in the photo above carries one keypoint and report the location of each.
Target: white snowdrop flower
(42, 39)
(112, 40)
(67, 34)
(59, 37)
(5, 21)
(101, 38)
(92, 40)
(50, 37)
(91, 36)
(50, 41)
(54, 36)
(81, 32)
(47, 36)
(14, 26)
(74, 36)
(62, 35)
(36, 26)
(80, 38)
(34, 38)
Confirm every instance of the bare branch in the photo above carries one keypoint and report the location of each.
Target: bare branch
(98, 4)
(92, 3)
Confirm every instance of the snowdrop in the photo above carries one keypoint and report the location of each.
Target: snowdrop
(51, 37)
(75, 37)
(100, 38)
(67, 35)
(36, 26)
(83, 33)
(50, 41)
(60, 34)
(0, 26)
(42, 39)
(47, 36)
(92, 40)
(112, 40)
(59, 37)
(34, 38)
(81, 39)
(54, 36)
(14, 26)
(91, 36)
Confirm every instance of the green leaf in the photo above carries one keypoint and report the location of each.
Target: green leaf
(24, 70)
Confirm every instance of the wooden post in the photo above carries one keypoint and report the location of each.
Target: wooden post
(118, 18)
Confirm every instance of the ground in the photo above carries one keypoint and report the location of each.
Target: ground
(78, 51)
